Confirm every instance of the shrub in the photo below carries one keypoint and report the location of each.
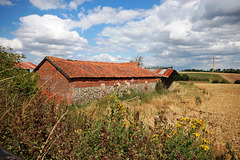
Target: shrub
(21, 81)
(180, 77)
(224, 81)
(215, 81)
(159, 87)
(237, 82)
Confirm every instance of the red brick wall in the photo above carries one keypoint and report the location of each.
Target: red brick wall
(55, 84)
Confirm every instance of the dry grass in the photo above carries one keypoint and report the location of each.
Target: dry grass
(223, 110)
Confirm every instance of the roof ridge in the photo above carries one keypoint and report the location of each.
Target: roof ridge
(91, 61)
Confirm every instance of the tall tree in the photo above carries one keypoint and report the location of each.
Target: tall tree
(139, 60)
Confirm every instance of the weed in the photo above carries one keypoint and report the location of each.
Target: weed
(198, 100)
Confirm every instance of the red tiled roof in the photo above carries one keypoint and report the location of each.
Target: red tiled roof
(93, 69)
(27, 65)
(166, 72)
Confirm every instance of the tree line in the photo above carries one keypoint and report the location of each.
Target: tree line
(231, 70)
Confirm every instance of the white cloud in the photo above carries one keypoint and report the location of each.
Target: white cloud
(48, 4)
(107, 15)
(104, 58)
(49, 35)
(75, 3)
(54, 4)
(5, 2)
(15, 43)
(177, 32)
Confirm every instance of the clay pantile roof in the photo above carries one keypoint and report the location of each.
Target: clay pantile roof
(27, 65)
(166, 72)
(94, 69)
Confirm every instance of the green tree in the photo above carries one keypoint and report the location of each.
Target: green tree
(12, 77)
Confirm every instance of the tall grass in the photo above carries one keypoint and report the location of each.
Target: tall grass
(35, 128)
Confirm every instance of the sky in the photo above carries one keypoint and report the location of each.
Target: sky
(185, 34)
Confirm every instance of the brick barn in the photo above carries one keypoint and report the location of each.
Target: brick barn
(167, 77)
(80, 81)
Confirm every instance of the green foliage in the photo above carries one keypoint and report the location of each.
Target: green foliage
(237, 82)
(159, 88)
(35, 128)
(181, 77)
(21, 80)
(205, 77)
(215, 81)
(8, 60)
(224, 81)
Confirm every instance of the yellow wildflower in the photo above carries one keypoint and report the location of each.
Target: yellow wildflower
(173, 133)
(207, 131)
(196, 134)
(168, 136)
(155, 135)
(177, 125)
(193, 126)
(137, 127)
(79, 130)
(205, 147)
(205, 141)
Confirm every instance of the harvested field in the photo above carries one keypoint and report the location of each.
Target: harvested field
(223, 113)
(231, 77)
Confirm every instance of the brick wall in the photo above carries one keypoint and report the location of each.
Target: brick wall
(53, 82)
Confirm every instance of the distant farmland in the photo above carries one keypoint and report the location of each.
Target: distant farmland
(205, 76)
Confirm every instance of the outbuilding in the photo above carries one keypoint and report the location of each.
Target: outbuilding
(80, 81)
(167, 77)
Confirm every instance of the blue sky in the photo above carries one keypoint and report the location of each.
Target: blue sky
(183, 34)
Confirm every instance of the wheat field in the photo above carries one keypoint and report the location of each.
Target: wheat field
(221, 110)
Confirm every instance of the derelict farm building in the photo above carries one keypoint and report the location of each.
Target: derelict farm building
(167, 77)
(80, 81)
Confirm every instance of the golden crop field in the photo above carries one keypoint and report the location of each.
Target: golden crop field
(222, 111)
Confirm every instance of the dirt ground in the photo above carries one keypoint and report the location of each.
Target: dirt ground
(231, 77)
(222, 110)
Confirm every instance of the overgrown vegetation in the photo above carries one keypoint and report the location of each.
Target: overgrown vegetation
(35, 128)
